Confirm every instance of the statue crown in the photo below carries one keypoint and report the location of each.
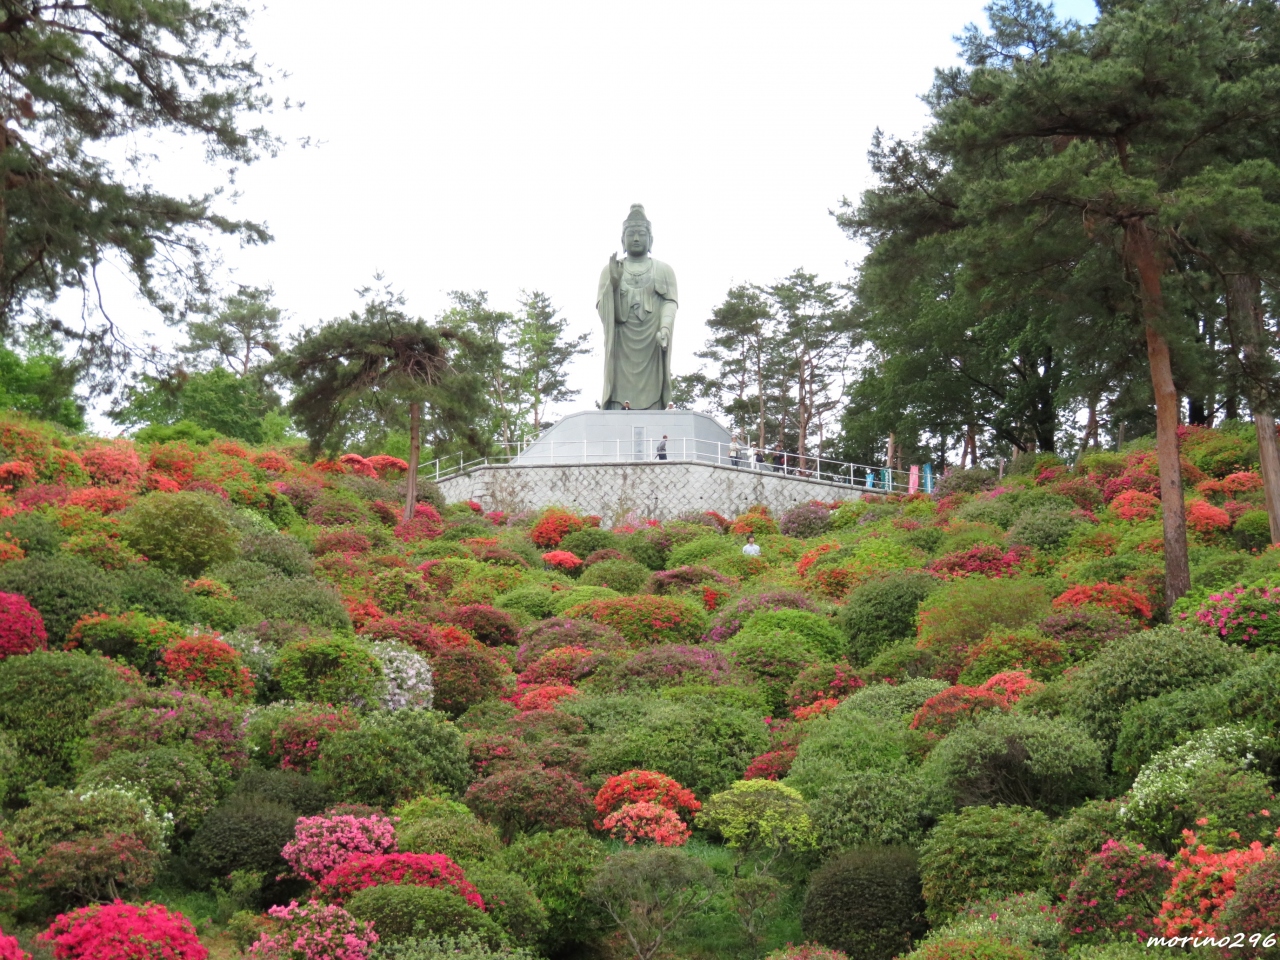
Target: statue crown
(636, 216)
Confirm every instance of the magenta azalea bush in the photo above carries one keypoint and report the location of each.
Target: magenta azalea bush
(321, 844)
(314, 931)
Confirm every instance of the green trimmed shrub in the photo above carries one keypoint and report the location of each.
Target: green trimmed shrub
(564, 599)
(1023, 926)
(900, 662)
(1046, 527)
(964, 611)
(870, 807)
(243, 575)
(1141, 666)
(37, 533)
(1252, 530)
(299, 601)
(1150, 726)
(245, 833)
(511, 903)
(559, 866)
(288, 788)
(46, 700)
(846, 741)
(701, 550)
(622, 576)
(773, 659)
(394, 756)
(332, 670)
(1050, 764)
(702, 744)
(536, 601)
(582, 543)
(814, 627)
(453, 831)
(881, 612)
(895, 701)
(183, 532)
(866, 902)
(152, 591)
(285, 554)
(981, 851)
(57, 816)
(137, 639)
(401, 911)
(62, 588)
(177, 782)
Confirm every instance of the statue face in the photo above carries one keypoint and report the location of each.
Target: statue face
(635, 238)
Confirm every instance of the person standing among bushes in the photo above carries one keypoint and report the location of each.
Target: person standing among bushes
(751, 548)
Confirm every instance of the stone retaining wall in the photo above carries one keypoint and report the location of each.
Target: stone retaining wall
(658, 489)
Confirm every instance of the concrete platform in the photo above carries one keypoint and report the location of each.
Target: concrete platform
(616, 436)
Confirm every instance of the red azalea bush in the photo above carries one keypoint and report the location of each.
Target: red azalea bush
(1118, 891)
(464, 676)
(562, 665)
(644, 620)
(1130, 480)
(1112, 596)
(823, 681)
(207, 664)
(984, 560)
(644, 786)
(1135, 506)
(945, 711)
(773, 765)
(133, 637)
(553, 526)
(1012, 650)
(489, 625)
(383, 462)
(10, 949)
(1084, 631)
(1255, 909)
(562, 560)
(21, 627)
(1249, 616)
(297, 738)
(342, 541)
(545, 697)
(425, 524)
(1203, 883)
(646, 821)
(418, 869)
(113, 464)
(687, 579)
(321, 844)
(547, 635)
(527, 799)
(1206, 519)
(755, 521)
(427, 637)
(314, 931)
(100, 500)
(124, 931)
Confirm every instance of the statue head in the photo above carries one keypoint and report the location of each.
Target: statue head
(637, 232)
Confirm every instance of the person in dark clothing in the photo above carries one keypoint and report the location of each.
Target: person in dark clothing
(662, 448)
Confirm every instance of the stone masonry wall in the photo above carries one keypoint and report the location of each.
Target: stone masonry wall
(658, 489)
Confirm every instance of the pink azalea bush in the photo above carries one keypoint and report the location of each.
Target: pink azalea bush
(421, 869)
(1249, 616)
(647, 821)
(10, 949)
(314, 931)
(322, 843)
(124, 931)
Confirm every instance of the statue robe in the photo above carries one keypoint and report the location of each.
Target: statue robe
(636, 368)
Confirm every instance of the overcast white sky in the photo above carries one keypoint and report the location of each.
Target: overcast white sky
(497, 146)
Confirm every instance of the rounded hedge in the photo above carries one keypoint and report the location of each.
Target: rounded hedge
(528, 799)
(870, 807)
(455, 833)
(624, 576)
(881, 612)
(46, 700)
(511, 903)
(300, 601)
(393, 757)
(63, 588)
(401, 911)
(991, 849)
(559, 866)
(245, 833)
(817, 629)
(773, 659)
(183, 532)
(1047, 763)
(175, 781)
(866, 902)
(329, 670)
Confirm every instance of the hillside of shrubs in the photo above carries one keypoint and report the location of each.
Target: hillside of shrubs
(247, 708)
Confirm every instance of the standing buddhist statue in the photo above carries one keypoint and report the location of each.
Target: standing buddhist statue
(637, 305)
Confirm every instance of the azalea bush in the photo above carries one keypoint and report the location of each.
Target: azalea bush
(206, 664)
(123, 931)
(21, 627)
(644, 786)
(1118, 891)
(1117, 598)
(645, 620)
(322, 843)
(314, 931)
(329, 670)
(531, 798)
(371, 870)
(646, 821)
(1204, 882)
(294, 739)
(552, 527)
(1248, 616)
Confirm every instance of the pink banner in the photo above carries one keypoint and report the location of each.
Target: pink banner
(913, 481)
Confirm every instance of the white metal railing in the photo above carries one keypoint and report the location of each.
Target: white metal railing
(546, 452)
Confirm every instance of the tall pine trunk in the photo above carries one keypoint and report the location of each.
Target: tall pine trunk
(1140, 252)
(1244, 301)
(415, 447)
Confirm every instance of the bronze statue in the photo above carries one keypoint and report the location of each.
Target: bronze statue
(637, 304)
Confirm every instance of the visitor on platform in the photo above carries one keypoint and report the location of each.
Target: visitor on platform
(779, 460)
(662, 448)
(751, 548)
(758, 457)
(735, 452)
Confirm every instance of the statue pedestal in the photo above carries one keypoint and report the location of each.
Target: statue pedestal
(627, 436)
